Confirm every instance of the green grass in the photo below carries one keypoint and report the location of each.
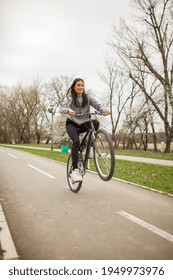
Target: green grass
(150, 175)
(42, 145)
(58, 156)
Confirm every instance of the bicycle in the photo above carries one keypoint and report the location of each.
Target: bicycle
(103, 152)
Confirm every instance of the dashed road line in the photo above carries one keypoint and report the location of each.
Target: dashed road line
(41, 171)
(146, 225)
(12, 155)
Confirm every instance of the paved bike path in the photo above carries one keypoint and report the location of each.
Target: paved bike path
(6, 238)
(147, 160)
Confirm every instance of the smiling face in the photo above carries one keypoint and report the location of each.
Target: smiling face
(79, 88)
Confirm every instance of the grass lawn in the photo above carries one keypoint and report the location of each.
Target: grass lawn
(150, 175)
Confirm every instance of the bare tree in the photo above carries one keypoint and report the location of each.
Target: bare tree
(55, 92)
(21, 113)
(5, 130)
(118, 95)
(147, 53)
(24, 115)
(22, 105)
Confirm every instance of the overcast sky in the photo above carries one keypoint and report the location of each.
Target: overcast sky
(48, 38)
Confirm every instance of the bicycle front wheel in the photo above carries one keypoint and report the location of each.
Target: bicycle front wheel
(74, 186)
(104, 156)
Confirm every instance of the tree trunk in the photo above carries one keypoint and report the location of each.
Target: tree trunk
(169, 137)
(154, 137)
(47, 141)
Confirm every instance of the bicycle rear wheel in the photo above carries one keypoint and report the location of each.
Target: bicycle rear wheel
(104, 156)
(74, 186)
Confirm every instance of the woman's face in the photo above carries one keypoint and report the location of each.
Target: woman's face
(79, 88)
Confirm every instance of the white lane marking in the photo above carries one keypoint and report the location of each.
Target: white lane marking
(146, 225)
(12, 155)
(41, 171)
(2, 151)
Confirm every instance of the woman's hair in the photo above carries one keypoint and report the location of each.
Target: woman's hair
(73, 94)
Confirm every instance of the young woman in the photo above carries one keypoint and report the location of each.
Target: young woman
(78, 101)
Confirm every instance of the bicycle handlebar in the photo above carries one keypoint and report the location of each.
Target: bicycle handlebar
(89, 114)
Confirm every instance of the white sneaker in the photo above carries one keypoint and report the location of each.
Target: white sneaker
(91, 154)
(75, 175)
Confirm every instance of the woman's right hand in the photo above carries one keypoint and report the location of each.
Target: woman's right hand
(72, 112)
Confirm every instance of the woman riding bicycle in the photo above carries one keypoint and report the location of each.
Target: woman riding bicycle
(78, 102)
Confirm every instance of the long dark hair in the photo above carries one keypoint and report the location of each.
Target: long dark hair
(71, 92)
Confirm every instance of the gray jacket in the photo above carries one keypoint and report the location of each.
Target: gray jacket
(80, 119)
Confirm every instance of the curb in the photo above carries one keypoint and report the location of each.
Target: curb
(6, 240)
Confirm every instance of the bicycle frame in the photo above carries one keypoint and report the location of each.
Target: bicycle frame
(90, 135)
(104, 158)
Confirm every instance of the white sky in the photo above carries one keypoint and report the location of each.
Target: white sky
(48, 38)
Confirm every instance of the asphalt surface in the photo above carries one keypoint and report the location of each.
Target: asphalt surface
(105, 220)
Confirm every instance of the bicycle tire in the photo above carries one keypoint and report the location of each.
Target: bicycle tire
(104, 156)
(74, 186)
